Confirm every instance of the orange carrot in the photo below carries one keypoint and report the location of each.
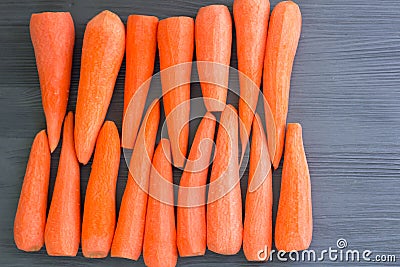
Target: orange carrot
(257, 233)
(283, 38)
(128, 237)
(213, 44)
(251, 22)
(63, 227)
(293, 229)
(141, 45)
(159, 245)
(102, 53)
(99, 210)
(191, 212)
(224, 209)
(53, 37)
(30, 218)
(175, 43)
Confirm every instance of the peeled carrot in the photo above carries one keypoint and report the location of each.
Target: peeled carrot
(128, 237)
(283, 38)
(213, 45)
(63, 227)
(30, 218)
(293, 229)
(53, 37)
(175, 43)
(191, 212)
(251, 22)
(102, 53)
(141, 45)
(224, 209)
(257, 233)
(99, 209)
(159, 245)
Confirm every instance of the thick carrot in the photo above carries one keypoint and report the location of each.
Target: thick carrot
(224, 209)
(175, 38)
(102, 53)
(191, 212)
(99, 209)
(293, 229)
(283, 38)
(53, 37)
(159, 245)
(257, 233)
(251, 23)
(30, 218)
(141, 45)
(213, 36)
(128, 237)
(63, 226)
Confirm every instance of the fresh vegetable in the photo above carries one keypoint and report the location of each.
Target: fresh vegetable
(159, 245)
(63, 226)
(191, 211)
(102, 53)
(128, 237)
(293, 229)
(30, 218)
(53, 37)
(213, 45)
(283, 38)
(100, 204)
(224, 209)
(141, 45)
(257, 233)
(175, 38)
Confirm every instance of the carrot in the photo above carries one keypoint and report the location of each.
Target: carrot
(251, 22)
(283, 37)
(175, 43)
(293, 229)
(99, 209)
(159, 245)
(102, 52)
(141, 45)
(191, 212)
(128, 237)
(63, 227)
(257, 233)
(53, 37)
(30, 218)
(213, 45)
(224, 209)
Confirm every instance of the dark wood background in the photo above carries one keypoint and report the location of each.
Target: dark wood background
(345, 92)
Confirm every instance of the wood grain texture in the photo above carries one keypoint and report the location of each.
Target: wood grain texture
(345, 93)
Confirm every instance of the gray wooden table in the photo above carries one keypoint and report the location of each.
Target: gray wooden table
(345, 92)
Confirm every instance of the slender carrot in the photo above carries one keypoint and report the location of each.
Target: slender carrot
(159, 245)
(99, 209)
(30, 218)
(175, 43)
(141, 45)
(53, 37)
(283, 38)
(257, 233)
(191, 212)
(224, 209)
(128, 237)
(293, 229)
(213, 44)
(251, 22)
(102, 53)
(63, 226)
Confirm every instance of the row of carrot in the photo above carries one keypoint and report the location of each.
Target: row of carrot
(146, 223)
